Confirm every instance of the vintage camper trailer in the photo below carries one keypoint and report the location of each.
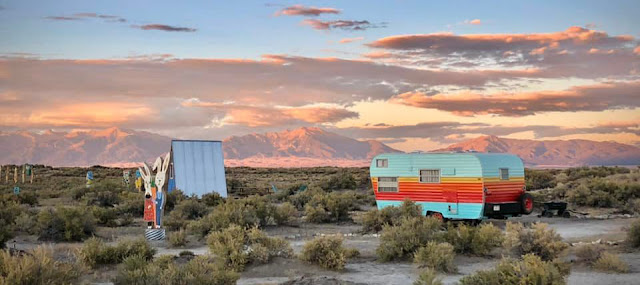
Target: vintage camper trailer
(457, 186)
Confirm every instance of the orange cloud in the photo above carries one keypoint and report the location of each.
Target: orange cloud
(350, 40)
(582, 98)
(300, 10)
(473, 22)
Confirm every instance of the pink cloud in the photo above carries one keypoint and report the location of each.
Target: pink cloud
(300, 10)
(581, 98)
(350, 40)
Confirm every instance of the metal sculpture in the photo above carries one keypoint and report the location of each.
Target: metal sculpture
(125, 177)
(89, 178)
(138, 181)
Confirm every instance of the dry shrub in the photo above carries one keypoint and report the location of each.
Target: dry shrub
(374, 220)
(9, 211)
(608, 262)
(325, 251)
(136, 270)
(474, 240)
(95, 252)
(107, 217)
(633, 236)
(589, 253)
(37, 267)
(178, 238)
(537, 239)
(237, 246)
(437, 256)
(285, 214)
(65, 224)
(531, 270)
(428, 277)
(331, 207)
(400, 241)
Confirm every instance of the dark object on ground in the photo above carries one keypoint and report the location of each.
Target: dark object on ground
(559, 207)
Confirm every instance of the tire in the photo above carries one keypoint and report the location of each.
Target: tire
(438, 216)
(547, 214)
(566, 214)
(526, 203)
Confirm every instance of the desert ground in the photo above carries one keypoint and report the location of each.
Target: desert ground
(607, 226)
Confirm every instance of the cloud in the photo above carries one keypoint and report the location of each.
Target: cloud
(166, 28)
(348, 25)
(473, 22)
(350, 40)
(300, 10)
(580, 98)
(83, 16)
(577, 51)
(261, 116)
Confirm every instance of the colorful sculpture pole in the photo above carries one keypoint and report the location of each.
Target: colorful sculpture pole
(155, 195)
(125, 177)
(89, 178)
(6, 174)
(24, 171)
(15, 175)
(138, 180)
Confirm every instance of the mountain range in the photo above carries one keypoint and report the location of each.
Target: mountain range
(301, 147)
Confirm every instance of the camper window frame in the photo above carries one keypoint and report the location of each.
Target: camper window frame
(397, 187)
(501, 174)
(430, 169)
(385, 163)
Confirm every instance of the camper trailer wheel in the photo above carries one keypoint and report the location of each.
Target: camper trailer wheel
(526, 201)
(437, 215)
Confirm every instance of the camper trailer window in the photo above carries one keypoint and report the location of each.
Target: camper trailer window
(504, 173)
(430, 175)
(387, 184)
(382, 163)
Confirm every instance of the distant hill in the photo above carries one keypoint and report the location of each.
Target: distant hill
(303, 147)
(300, 147)
(555, 152)
(118, 147)
(111, 146)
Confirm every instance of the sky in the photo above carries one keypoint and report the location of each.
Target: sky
(417, 75)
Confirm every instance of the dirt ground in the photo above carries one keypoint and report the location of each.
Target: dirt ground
(365, 269)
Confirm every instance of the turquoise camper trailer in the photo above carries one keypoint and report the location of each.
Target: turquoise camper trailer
(456, 186)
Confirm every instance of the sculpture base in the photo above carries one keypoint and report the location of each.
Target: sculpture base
(155, 234)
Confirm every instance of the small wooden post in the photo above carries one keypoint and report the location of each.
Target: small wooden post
(33, 173)
(6, 175)
(15, 175)
(24, 172)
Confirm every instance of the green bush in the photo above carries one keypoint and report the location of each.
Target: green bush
(95, 252)
(474, 240)
(26, 222)
(190, 209)
(177, 238)
(437, 256)
(9, 211)
(105, 216)
(608, 262)
(402, 240)
(285, 214)
(326, 252)
(136, 270)
(428, 277)
(38, 267)
(537, 239)
(174, 198)
(530, 271)
(539, 179)
(375, 219)
(633, 236)
(131, 203)
(65, 224)
(212, 199)
(328, 207)
(237, 247)
(28, 197)
(342, 181)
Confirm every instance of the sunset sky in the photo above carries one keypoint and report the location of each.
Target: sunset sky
(417, 75)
